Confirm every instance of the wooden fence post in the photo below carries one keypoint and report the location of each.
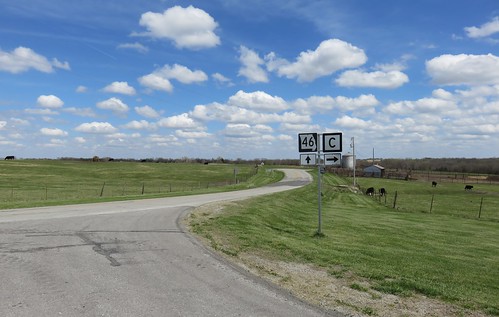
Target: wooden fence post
(102, 189)
(431, 205)
(480, 211)
(395, 200)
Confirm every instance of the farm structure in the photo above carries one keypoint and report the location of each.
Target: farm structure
(374, 171)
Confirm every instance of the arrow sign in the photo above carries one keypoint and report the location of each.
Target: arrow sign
(308, 159)
(332, 159)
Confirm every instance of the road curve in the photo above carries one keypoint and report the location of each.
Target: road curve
(129, 259)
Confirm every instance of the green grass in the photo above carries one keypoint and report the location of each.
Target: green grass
(442, 255)
(448, 198)
(29, 183)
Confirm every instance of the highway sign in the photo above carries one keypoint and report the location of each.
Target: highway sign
(307, 142)
(308, 159)
(332, 159)
(331, 142)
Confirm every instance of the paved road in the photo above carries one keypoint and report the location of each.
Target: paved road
(128, 259)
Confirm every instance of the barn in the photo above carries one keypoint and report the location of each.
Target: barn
(374, 171)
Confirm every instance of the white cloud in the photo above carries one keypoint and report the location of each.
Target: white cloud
(258, 100)
(120, 87)
(134, 46)
(378, 79)
(147, 111)
(49, 101)
(96, 128)
(156, 82)
(42, 112)
(182, 121)
(53, 132)
(484, 30)
(160, 78)
(114, 104)
(182, 74)
(81, 89)
(82, 112)
(3, 124)
(189, 27)
(222, 80)
(139, 125)
(323, 104)
(80, 140)
(23, 59)
(330, 56)
(192, 134)
(252, 66)
(464, 69)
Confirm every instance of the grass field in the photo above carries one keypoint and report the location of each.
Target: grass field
(449, 254)
(28, 183)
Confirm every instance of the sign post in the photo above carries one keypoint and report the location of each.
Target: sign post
(309, 142)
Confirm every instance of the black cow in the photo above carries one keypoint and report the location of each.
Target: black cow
(433, 184)
(10, 157)
(370, 191)
(468, 187)
(382, 192)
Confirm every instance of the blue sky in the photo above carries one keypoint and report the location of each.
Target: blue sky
(241, 79)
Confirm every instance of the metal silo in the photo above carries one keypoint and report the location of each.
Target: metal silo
(347, 161)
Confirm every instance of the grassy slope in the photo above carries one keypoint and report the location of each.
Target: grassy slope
(443, 256)
(28, 183)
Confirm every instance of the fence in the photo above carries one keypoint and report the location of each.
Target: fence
(467, 205)
(71, 191)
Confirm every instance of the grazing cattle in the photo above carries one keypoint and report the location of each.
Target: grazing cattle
(10, 157)
(382, 192)
(468, 187)
(433, 184)
(370, 191)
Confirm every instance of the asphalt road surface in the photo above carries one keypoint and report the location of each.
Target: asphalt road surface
(129, 258)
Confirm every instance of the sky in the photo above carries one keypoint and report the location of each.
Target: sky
(241, 79)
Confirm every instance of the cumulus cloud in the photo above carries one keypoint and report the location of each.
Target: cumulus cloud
(192, 134)
(96, 128)
(378, 79)
(190, 27)
(252, 66)
(182, 121)
(49, 101)
(23, 59)
(160, 78)
(222, 80)
(258, 100)
(484, 30)
(330, 56)
(139, 125)
(147, 111)
(156, 82)
(120, 87)
(114, 104)
(53, 132)
(464, 69)
(323, 104)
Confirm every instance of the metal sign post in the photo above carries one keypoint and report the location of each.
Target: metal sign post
(309, 142)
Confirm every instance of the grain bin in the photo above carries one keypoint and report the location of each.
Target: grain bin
(347, 161)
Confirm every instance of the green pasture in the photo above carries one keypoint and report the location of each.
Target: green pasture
(444, 199)
(27, 183)
(448, 254)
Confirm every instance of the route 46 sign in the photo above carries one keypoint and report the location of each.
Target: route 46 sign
(307, 142)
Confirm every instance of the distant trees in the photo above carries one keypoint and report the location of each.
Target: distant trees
(454, 165)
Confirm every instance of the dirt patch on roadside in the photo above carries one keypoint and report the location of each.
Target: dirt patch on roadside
(337, 290)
